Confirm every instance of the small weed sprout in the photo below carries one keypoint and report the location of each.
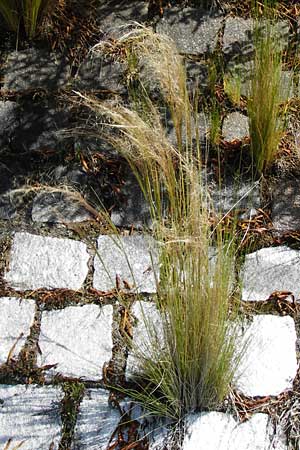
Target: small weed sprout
(195, 365)
(266, 124)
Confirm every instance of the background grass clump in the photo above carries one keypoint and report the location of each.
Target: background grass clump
(265, 117)
(194, 366)
(25, 15)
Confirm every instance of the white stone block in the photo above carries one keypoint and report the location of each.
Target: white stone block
(16, 318)
(78, 339)
(220, 431)
(268, 270)
(46, 262)
(269, 364)
(30, 414)
(132, 259)
(96, 421)
(148, 330)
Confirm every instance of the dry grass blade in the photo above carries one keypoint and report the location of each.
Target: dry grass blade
(16, 447)
(11, 352)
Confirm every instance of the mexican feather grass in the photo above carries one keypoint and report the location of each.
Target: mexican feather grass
(265, 117)
(190, 364)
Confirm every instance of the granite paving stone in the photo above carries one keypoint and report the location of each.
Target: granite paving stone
(16, 318)
(41, 128)
(238, 78)
(30, 415)
(199, 131)
(130, 259)
(148, 328)
(220, 431)
(78, 339)
(46, 262)
(96, 421)
(116, 18)
(5, 185)
(98, 72)
(197, 76)
(238, 38)
(194, 31)
(157, 430)
(286, 205)
(34, 68)
(133, 210)
(268, 270)
(7, 207)
(58, 207)
(9, 120)
(269, 363)
(235, 127)
(235, 194)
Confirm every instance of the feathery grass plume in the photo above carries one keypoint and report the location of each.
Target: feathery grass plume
(266, 124)
(191, 364)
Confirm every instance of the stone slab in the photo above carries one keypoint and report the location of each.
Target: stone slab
(46, 262)
(96, 421)
(235, 127)
(30, 414)
(9, 121)
(5, 181)
(34, 68)
(269, 270)
(219, 431)
(16, 318)
(194, 31)
(235, 194)
(148, 330)
(157, 430)
(7, 207)
(133, 259)
(72, 175)
(77, 339)
(58, 207)
(199, 131)
(133, 210)
(197, 76)
(286, 205)
(269, 363)
(40, 128)
(238, 78)
(97, 73)
(115, 18)
(238, 38)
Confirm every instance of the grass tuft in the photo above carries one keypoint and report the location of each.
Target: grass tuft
(191, 363)
(266, 124)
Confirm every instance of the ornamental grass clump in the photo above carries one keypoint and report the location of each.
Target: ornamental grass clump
(190, 363)
(265, 117)
(25, 14)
